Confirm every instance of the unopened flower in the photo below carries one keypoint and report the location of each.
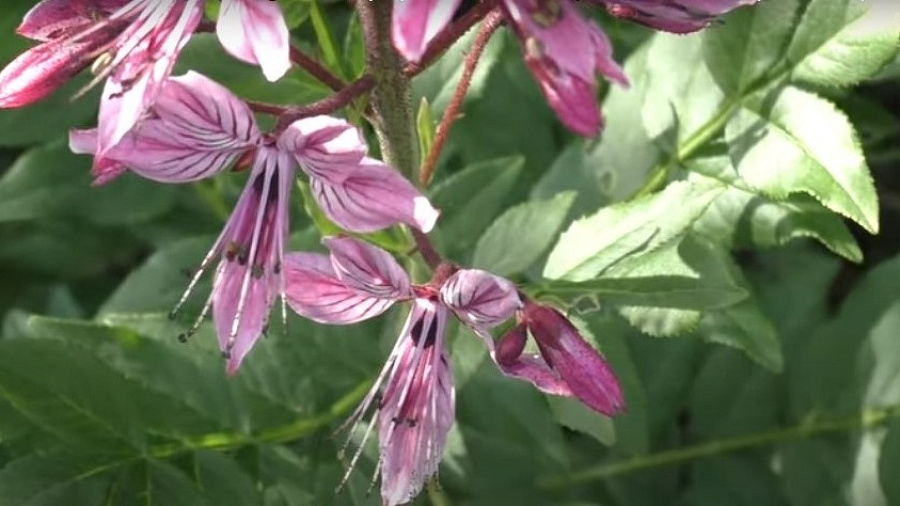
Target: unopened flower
(197, 128)
(566, 365)
(563, 50)
(413, 397)
(135, 44)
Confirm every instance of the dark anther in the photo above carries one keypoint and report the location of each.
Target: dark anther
(182, 338)
(416, 333)
(257, 271)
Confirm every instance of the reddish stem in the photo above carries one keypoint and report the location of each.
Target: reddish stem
(491, 23)
(426, 249)
(316, 70)
(263, 107)
(327, 105)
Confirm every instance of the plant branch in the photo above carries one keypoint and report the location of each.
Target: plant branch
(392, 114)
(448, 36)
(325, 106)
(808, 429)
(316, 69)
(426, 249)
(491, 23)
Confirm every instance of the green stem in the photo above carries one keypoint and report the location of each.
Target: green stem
(391, 103)
(225, 441)
(697, 140)
(865, 420)
(436, 494)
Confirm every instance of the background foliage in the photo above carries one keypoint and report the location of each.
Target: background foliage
(716, 244)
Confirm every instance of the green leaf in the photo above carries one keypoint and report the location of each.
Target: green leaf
(470, 200)
(57, 478)
(889, 464)
(204, 54)
(742, 217)
(85, 402)
(158, 284)
(746, 328)
(799, 142)
(609, 333)
(821, 22)
(748, 44)
(521, 235)
(709, 284)
(678, 99)
(324, 38)
(157, 483)
(296, 12)
(224, 483)
(853, 55)
(425, 127)
(594, 244)
(50, 181)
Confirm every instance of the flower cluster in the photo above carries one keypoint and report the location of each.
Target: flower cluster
(186, 128)
(563, 50)
(413, 397)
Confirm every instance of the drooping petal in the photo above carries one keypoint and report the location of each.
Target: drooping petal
(480, 299)
(255, 31)
(313, 291)
(373, 197)
(44, 68)
(510, 359)
(197, 129)
(416, 22)
(564, 52)
(54, 19)
(145, 55)
(326, 148)
(367, 269)
(580, 366)
(678, 16)
(417, 405)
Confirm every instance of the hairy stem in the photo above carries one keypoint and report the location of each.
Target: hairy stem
(316, 69)
(865, 420)
(324, 106)
(491, 23)
(391, 109)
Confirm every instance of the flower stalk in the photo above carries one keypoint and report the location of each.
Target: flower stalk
(391, 102)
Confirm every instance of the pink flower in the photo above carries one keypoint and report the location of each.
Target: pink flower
(197, 128)
(358, 281)
(415, 410)
(416, 22)
(135, 44)
(251, 247)
(564, 51)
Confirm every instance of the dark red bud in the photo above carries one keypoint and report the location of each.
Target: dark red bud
(511, 345)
